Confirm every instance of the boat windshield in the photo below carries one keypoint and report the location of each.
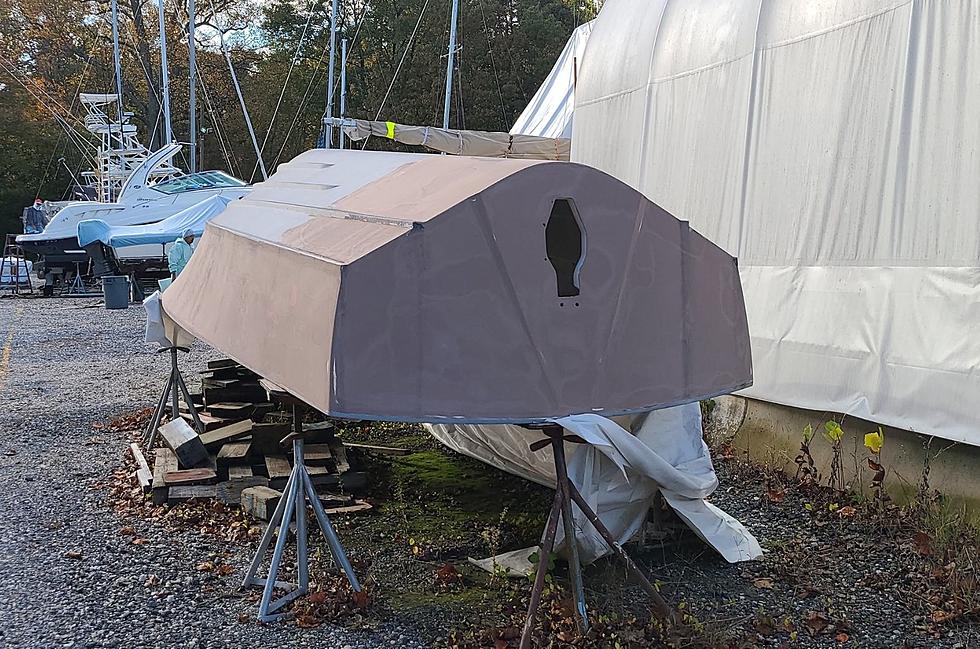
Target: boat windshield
(203, 180)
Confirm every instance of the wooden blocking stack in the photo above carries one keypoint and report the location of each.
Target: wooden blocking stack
(225, 381)
(185, 443)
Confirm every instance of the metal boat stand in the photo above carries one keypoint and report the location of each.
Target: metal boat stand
(292, 506)
(172, 391)
(565, 494)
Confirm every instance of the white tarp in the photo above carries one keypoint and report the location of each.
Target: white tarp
(160, 328)
(618, 473)
(192, 218)
(549, 113)
(834, 148)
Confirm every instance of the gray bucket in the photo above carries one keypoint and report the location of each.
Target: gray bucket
(115, 290)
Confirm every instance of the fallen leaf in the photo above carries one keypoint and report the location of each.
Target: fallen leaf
(361, 600)
(138, 541)
(73, 554)
(816, 622)
(842, 637)
(205, 566)
(129, 530)
(939, 616)
(775, 495)
(501, 644)
(922, 543)
(225, 569)
(846, 512)
(762, 582)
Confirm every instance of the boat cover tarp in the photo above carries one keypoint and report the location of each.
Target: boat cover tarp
(193, 218)
(488, 144)
(417, 287)
(618, 473)
(549, 113)
(833, 147)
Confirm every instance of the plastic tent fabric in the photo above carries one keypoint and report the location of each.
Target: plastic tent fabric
(549, 113)
(468, 143)
(455, 250)
(166, 231)
(833, 147)
(618, 473)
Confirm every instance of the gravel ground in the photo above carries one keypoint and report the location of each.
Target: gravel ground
(65, 364)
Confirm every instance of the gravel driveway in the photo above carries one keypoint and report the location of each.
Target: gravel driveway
(66, 363)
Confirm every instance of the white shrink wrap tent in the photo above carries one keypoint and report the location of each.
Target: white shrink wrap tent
(834, 148)
(549, 113)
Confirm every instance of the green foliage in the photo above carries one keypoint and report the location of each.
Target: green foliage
(506, 49)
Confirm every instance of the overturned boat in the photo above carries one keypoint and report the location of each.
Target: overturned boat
(414, 287)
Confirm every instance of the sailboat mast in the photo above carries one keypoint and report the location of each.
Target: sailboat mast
(115, 60)
(328, 134)
(168, 132)
(192, 63)
(449, 64)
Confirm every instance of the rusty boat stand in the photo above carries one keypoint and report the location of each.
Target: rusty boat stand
(565, 494)
(172, 391)
(292, 507)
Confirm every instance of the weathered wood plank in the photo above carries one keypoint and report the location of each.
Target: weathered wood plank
(143, 474)
(230, 491)
(234, 453)
(182, 493)
(218, 436)
(165, 461)
(190, 477)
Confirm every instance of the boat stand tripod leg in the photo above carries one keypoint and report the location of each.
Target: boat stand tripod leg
(149, 437)
(565, 494)
(292, 506)
(179, 378)
(174, 389)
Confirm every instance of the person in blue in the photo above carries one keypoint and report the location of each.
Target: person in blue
(180, 253)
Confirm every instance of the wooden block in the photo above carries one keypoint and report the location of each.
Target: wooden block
(336, 500)
(230, 491)
(339, 455)
(207, 420)
(238, 391)
(316, 454)
(379, 450)
(234, 453)
(278, 469)
(219, 363)
(320, 475)
(165, 461)
(190, 476)
(266, 438)
(260, 502)
(238, 472)
(218, 436)
(321, 431)
(231, 410)
(143, 473)
(185, 443)
(261, 410)
(182, 493)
